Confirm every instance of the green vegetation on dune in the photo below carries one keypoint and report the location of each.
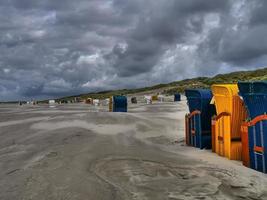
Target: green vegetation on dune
(180, 86)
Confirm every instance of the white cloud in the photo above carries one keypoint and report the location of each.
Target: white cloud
(90, 59)
(6, 70)
(38, 33)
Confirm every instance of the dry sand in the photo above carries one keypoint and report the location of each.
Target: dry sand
(81, 152)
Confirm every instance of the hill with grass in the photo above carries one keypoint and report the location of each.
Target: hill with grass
(180, 86)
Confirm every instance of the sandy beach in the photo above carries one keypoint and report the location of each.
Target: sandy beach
(78, 152)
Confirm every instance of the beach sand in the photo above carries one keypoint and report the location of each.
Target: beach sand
(78, 152)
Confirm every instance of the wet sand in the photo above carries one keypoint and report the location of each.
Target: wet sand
(80, 152)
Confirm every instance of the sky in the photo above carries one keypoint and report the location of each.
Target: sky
(56, 48)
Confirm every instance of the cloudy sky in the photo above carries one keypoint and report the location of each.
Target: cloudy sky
(51, 48)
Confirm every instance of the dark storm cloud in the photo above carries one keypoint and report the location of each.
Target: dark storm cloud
(32, 89)
(259, 14)
(164, 25)
(243, 48)
(55, 48)
(241, 37)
